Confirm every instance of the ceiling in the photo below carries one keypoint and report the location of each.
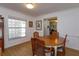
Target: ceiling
(40, 8)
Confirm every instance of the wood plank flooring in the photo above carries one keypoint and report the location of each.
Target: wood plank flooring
(19, 50)
(25, 49)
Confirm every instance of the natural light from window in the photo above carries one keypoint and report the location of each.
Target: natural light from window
(17, 28)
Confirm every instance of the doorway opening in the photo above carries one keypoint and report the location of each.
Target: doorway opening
(50, 24)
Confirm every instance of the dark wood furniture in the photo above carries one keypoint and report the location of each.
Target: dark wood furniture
(61, 49)
(33, 43)
(54, 34)
(1, 33)
(36, 35)
(39, 49)
(42, 50)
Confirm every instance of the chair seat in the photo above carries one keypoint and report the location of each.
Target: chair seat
(59, 53)
(48, 54)
(50, 51)
(60, 49)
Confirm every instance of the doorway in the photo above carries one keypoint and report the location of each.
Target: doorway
(49, 25)
(2, 33)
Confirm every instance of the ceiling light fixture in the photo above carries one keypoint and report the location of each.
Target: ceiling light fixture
(30, 6)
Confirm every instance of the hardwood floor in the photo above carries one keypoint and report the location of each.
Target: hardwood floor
(19, 50)
(72, 52)
(26, 50)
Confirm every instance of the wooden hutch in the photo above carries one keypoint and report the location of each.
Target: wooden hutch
(1, 34)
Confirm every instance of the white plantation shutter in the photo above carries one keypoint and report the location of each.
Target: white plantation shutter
(17, 28)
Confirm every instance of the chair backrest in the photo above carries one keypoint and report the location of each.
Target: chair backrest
(40, 48)
(65, 40)
(33, 42)
(36, 34)
(64, 47)
(55, 34)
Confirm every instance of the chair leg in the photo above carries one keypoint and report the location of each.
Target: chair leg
(52, 54)
(33, 53)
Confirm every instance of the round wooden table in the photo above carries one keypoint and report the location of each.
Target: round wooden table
(52, 42)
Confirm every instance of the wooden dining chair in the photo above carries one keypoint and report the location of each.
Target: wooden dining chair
(36, 34)
(61, 49)
(39, 49)
(34, 46)
(42, 50)
(55, 34)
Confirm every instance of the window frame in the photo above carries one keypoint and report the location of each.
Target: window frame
(15, 28)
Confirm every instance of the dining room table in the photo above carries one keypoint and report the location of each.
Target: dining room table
(51, 42)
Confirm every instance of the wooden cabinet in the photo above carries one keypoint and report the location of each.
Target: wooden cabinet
(1, 34)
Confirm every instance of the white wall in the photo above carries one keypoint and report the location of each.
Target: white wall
(68, 24)
(41, 33)
(46, 29)
(6, 13)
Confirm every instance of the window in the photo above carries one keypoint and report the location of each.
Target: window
(17, 28)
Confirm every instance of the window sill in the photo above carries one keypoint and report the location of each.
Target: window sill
(17, 38)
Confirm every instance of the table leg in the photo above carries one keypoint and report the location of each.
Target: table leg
(55, 47)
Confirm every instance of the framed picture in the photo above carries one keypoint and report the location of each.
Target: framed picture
(39, 25)
(30, 23)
